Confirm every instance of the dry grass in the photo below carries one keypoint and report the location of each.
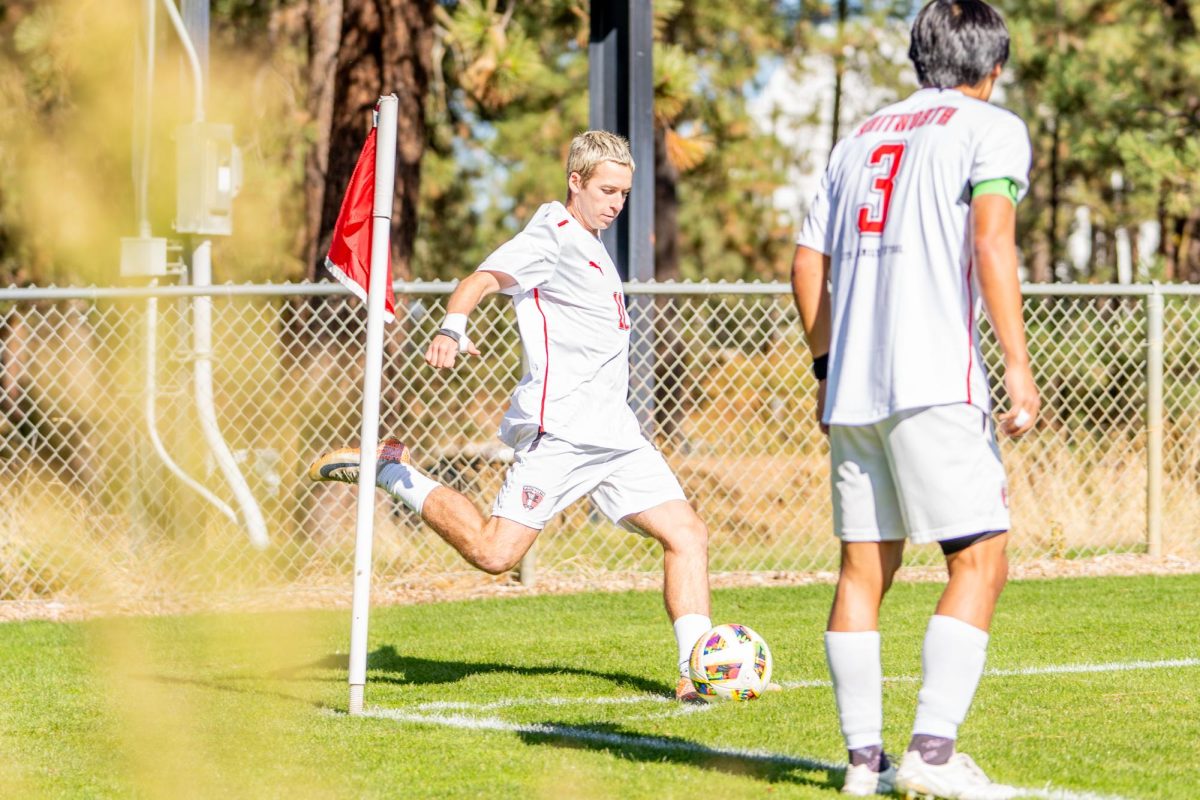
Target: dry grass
(469, 585)
(1073, 504)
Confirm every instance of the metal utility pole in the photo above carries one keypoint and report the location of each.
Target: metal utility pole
(621, 98)
(621, 92)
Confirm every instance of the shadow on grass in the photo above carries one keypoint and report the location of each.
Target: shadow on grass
(230, 684)
(633, 746)
(397, 669)
(411, 670)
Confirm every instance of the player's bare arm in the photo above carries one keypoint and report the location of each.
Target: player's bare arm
(810, 287)
(444, 349)
(994, 221)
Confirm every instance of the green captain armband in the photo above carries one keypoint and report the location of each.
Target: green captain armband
(1002, 186)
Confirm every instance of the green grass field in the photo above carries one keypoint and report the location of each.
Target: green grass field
(566, 696)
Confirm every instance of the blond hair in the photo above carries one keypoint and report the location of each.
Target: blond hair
(590, 148)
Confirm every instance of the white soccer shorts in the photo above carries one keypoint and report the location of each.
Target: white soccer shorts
(928, 474)
(546, 478)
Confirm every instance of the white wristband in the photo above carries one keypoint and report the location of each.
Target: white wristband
(456, 323)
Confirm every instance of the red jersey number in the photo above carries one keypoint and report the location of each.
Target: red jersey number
(873, 216)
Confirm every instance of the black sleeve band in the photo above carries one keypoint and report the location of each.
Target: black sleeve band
(821, 367)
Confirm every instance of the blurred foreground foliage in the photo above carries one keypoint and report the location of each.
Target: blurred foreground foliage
(1106, 87)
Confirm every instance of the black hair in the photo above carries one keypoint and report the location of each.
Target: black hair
(957, 43)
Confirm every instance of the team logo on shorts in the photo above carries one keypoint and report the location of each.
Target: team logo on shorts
(1004, 495)
(531, 496)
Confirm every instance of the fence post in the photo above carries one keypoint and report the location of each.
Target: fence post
(1154, 420)
(527, 570)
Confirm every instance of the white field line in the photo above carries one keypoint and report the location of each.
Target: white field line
(1115, 666)
(1049, 669)
(429, 714)
(676, 710)
(663, 745)
(545, 701)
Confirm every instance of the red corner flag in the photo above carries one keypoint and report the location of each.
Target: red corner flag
(349, 258)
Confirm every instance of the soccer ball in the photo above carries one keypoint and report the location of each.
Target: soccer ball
(730, 662)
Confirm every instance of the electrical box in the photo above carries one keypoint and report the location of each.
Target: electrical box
(209, 177)
(143, 257)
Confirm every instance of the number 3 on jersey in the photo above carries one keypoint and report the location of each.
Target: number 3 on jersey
(886, 160)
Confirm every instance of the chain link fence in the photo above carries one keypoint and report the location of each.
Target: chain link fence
(108, 487)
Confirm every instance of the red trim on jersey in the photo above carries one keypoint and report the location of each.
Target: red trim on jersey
(564, 222)
(546, 374)
(970, 325)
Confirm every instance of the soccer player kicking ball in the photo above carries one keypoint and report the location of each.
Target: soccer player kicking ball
(569, 422)
(913, 224)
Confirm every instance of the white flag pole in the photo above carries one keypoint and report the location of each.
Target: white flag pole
(381, 228)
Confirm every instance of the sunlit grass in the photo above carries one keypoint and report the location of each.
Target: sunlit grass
(250, 705)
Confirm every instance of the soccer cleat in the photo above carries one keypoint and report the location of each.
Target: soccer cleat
(685, 691)
(862, 781)
(342, 464)
(960, 778)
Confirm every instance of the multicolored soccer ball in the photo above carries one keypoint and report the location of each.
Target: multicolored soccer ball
(730, 662)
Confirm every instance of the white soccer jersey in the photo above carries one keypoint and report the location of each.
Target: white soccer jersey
(893, 214)
(575, 332)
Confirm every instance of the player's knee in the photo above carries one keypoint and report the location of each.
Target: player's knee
(688, 534)
(857, 587)
(988, 568)
(887, 583)
(693, 535)
(496, 563)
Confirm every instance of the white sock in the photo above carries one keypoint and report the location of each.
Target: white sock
(952, 664)
(688, 630)
(857, 672)
(405, 483)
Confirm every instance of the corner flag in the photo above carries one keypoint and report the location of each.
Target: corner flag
(349, 259)
(360, 257)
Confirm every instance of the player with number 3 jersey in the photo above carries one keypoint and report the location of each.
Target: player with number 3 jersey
(911, 232)
(569, 422)
(892, 213)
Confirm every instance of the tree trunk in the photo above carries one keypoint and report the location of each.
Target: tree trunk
(1040, 251)
(1180, 14)
(324, 21)
(386, 46)
(381, 47)
(666, 211)
(839, 72)
(1189, 268)
(1056, 248)
(672, 390)
(1166, 245)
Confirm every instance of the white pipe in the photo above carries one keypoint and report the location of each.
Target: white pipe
(202, 373)
(152, 416)
(142, 179)
(193, 59)
(381, 229)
